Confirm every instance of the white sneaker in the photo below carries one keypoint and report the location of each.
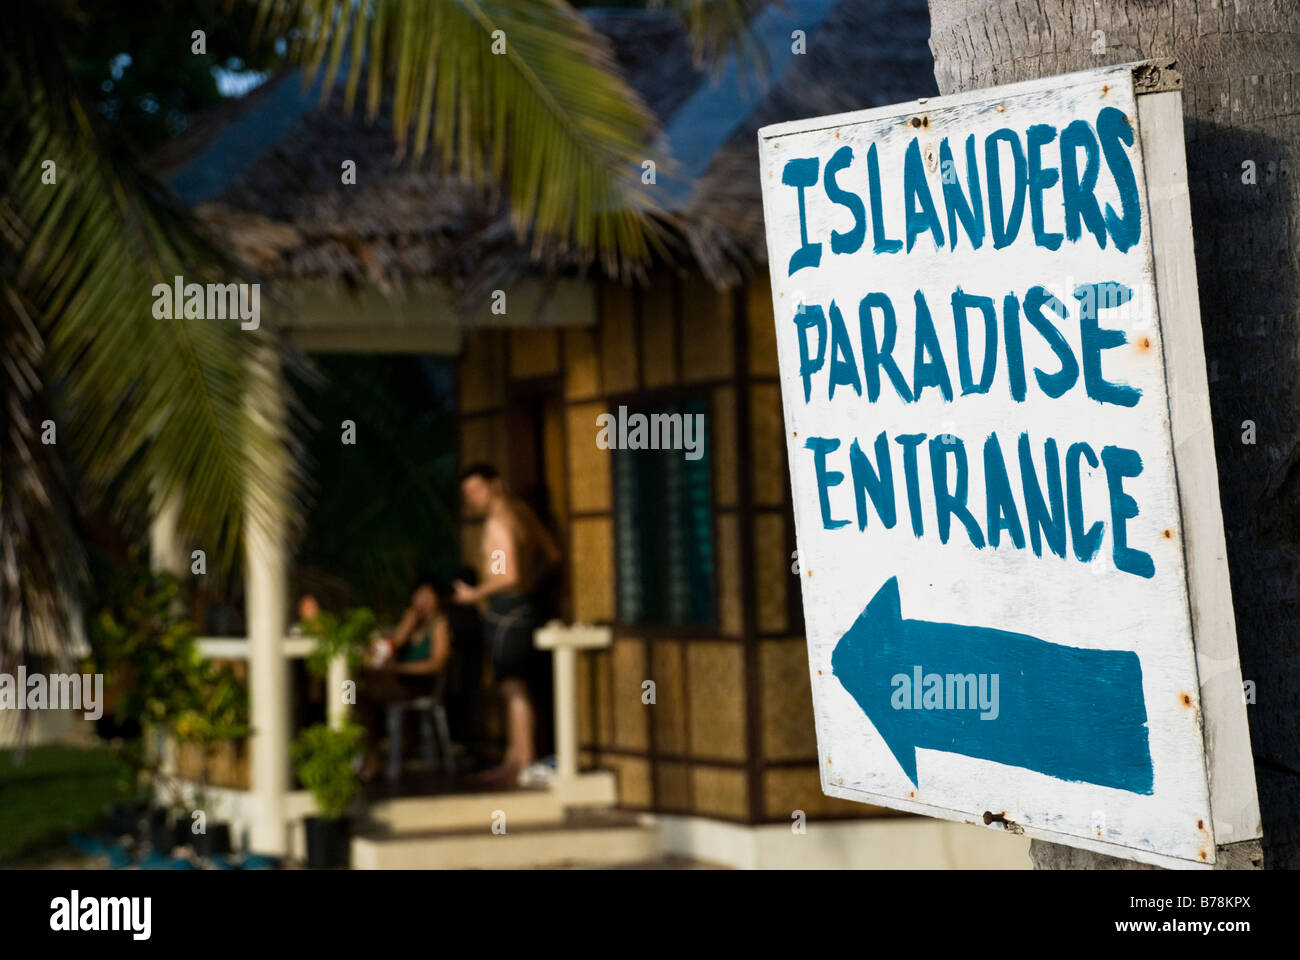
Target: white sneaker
(536, 775)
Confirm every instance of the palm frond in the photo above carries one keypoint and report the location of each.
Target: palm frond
(162, 404)
(518, 92)
(41, 560)
(720, 27)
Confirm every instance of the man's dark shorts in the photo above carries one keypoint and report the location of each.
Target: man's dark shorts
(509, 626)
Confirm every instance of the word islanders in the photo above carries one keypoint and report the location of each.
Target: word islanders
(1021, 152)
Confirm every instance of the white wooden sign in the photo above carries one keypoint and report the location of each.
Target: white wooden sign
(1010, 543)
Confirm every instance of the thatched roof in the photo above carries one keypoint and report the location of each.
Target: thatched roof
(275, 197)
(264, 171)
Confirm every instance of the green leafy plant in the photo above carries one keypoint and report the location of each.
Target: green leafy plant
(152, 649)
(325, 760)
(149, 653)
(219, 713)
(348, 635)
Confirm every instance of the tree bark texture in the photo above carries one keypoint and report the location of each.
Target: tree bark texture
(1240, 63)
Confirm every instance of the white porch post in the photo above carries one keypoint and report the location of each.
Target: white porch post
(564, 642)
(566, 715)
(266, 604)
(336, 709)
(167, 554)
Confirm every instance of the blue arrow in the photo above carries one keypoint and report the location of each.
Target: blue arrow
(1071, 713)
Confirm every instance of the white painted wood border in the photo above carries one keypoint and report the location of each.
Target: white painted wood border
(1035, 833)
(1231, 770)
(1121, 73)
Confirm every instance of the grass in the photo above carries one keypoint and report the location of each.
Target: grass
(54, 791)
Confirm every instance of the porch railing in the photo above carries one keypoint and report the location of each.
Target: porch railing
(294, 647)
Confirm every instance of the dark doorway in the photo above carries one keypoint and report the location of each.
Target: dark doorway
(535, 474)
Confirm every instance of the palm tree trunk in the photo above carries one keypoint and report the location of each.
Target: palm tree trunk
(1240, 63)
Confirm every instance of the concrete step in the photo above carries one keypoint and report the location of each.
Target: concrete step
(594, 839)
(473, 811)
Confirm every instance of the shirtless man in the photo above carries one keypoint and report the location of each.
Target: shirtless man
(517, 551)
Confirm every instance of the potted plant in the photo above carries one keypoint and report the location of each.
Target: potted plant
(219, 714)
(349, 635)
(147, 653)
(164, 689)
(325, 760)
(126, 818)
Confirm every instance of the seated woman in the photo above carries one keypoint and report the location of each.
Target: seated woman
(421, 646)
